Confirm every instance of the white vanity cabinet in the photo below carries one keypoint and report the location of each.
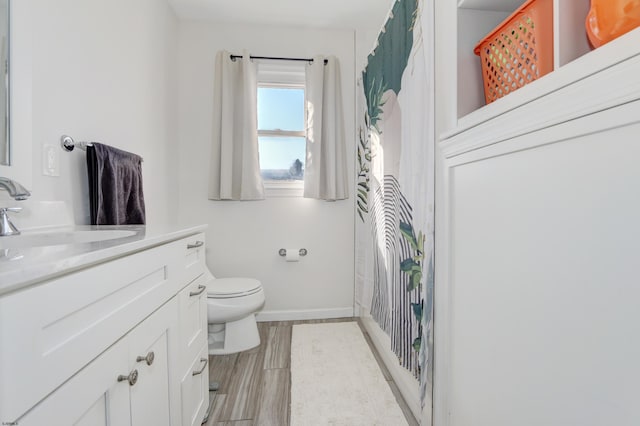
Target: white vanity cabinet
(110, 343)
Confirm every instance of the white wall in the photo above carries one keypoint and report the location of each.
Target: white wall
(244, 237)
(103, 71)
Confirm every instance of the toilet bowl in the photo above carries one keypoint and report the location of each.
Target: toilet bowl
(232, 304)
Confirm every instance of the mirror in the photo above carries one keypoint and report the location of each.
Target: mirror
(5, 148)
(19, 145)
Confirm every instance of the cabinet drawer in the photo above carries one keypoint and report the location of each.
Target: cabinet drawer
(64, 323)
(192, 322)
(193, 257)
(194, 387)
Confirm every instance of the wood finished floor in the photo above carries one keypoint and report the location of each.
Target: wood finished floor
(255, 385)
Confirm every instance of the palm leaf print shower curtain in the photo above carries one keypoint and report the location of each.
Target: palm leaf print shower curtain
(395, 190)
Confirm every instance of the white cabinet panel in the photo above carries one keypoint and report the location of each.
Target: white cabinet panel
(92, 397)
(149, 354)
(96, 396)
(194, 388)
(96, 415)
(193, 319)
(193, 368)
(543, 281)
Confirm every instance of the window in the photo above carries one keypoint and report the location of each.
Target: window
(281, 127)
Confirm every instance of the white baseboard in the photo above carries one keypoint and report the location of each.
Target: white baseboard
(407, 384)
(306, 314)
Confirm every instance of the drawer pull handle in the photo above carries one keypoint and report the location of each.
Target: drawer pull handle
(195, 245)
(132, 378)
(149, 358)
(201, 289)
(205, 361)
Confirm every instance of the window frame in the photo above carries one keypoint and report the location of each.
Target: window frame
(283, 75)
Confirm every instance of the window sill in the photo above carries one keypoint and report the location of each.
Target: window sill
(274, 189)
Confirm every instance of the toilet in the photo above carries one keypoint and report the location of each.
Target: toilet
(232, 304)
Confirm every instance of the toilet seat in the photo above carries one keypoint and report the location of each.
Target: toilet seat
(227, 288)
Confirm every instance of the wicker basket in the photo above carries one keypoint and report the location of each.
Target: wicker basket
(518, 51)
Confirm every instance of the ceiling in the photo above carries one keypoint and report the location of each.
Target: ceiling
(334, 14)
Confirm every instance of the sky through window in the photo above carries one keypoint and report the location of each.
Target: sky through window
(281, 109)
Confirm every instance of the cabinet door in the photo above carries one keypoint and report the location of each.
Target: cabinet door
(93, 397)
(148, 353)
(193, 320)
(194, 389)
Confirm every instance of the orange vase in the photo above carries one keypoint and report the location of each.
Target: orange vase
(609, 19)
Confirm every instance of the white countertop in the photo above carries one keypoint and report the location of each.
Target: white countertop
(22, 267)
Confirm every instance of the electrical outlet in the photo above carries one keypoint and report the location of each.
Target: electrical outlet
(50, 160)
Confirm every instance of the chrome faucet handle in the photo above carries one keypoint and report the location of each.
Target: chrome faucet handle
(6, 227)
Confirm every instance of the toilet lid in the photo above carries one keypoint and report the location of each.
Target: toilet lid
(232, 287)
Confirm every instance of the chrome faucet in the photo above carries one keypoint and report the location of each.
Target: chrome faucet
(15, 190)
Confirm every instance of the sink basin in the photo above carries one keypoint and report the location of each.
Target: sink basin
(40, 239)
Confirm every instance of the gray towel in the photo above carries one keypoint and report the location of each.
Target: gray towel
(115, 186)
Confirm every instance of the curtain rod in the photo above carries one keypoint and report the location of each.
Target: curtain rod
(275, 58)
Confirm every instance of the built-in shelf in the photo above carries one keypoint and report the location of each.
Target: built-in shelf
(596, 70)
(477, 18)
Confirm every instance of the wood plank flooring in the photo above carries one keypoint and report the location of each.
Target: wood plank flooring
(254, 386)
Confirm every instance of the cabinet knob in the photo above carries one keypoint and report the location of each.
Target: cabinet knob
(201, 289)
(204, 365)
(149, 358)
(195, 245)
(132, 378)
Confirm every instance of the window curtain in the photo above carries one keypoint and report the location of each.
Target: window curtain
(325, 174)
(235, 165)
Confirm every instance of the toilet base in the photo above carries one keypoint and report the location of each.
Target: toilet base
(233, 336)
